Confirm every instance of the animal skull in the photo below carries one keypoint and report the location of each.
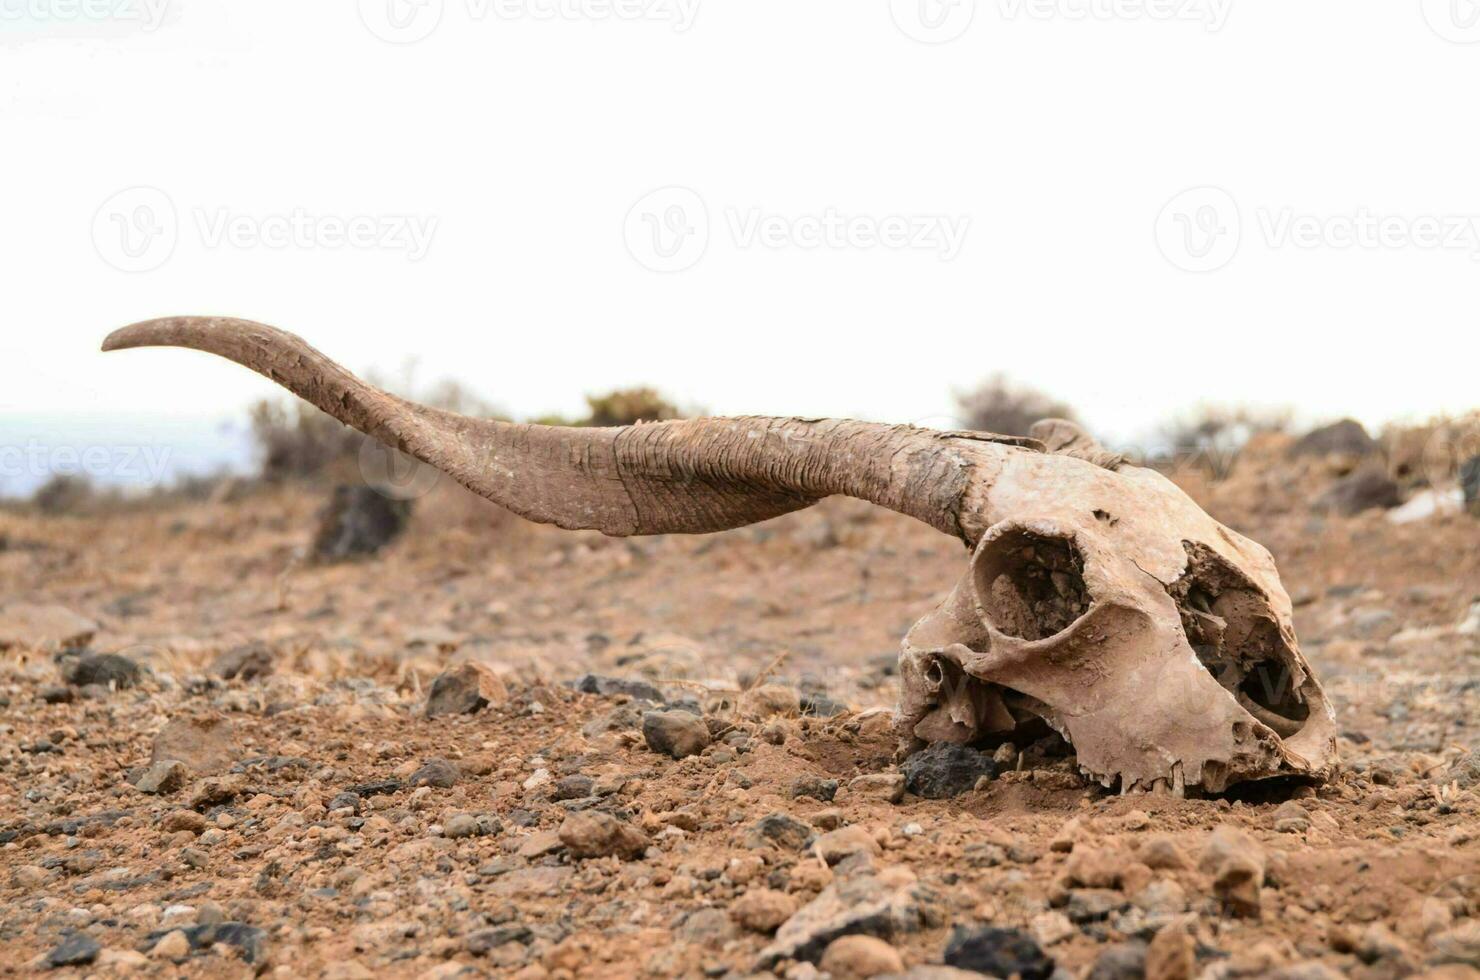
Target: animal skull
(1099, 599)
(1102, 601)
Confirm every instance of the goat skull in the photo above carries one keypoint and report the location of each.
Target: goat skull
(1099, 600)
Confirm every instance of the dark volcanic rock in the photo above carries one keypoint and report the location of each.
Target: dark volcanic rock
(1347, 438)
(573, 787)
(249, 940)
(1367, 488)
(484, 941)
(998, 953)
(102, 669)
(379, 787)
(815, 787)
(611, 686)
(943, 770)
(76, 950)
(357, 522)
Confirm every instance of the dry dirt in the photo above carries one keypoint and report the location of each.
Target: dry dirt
(1375, 874)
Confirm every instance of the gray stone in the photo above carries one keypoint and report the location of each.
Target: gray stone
(676, 733)
(461, 825)
(163, 777)
(709, 927)
(1368, 488)
(244, 662)
(822, 706)
(464, 689)
(1347, 438)
(613, 686)
(1125, 961)
(1469, 480)
(859, 905)
(77, 949)
(438, 773)
(784, 831)
(484, 941)
(574, 787)
(104, 669)
(815, 787)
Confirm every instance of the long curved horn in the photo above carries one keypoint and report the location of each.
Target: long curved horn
(689, 476)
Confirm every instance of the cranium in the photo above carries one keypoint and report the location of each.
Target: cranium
(1099, 600)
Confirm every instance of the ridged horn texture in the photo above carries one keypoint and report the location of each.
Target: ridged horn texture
(689, 476)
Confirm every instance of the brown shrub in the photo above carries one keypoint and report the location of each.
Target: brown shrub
(1001, 406)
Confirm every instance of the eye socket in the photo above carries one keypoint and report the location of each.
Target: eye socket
(1237, 640)
(1031, 585)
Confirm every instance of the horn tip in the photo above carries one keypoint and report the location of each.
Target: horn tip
(162, 332)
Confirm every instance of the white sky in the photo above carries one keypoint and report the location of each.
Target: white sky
(521, 134)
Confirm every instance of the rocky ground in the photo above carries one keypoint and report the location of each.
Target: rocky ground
(503, 750)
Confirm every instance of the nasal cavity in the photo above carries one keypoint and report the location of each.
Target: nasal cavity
(1031, 585)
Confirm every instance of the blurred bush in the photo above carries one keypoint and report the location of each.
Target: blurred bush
(64, 495)
(628, 406)
(294, 440)
(1210, 436)
(1001, 406)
